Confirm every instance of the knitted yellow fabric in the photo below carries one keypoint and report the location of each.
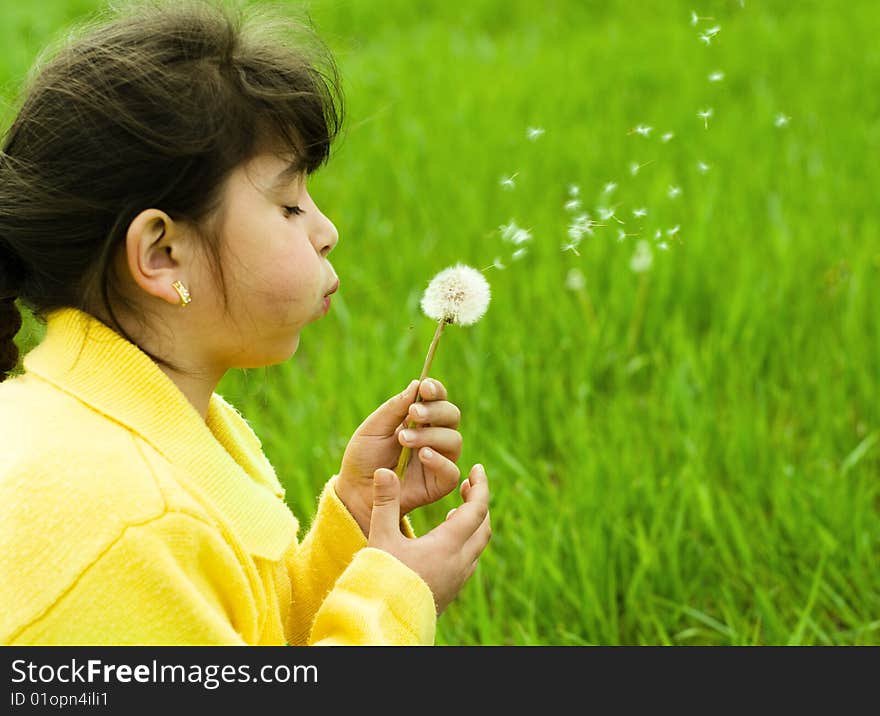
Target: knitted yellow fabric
(125, 518)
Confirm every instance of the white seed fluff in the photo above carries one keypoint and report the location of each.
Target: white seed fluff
(459, 294)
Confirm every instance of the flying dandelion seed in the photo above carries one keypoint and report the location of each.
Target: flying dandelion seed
(696, 18)
(609, 187)
(580, 225)
(513, 234)
(666, 137)
(605, 213)
(534, 132)
(496, 264)
(704, 114)
(716, 77)
(460, 295)
(702, 167)
(642, 258)
(674, 191)
(574, 190)
(712, 31)
(635, 167)
(641, 129)
(518, 254)
(508, 182)
(640, 213)
(573, 205)
(574, 280)
(673, 231)
(706, 38)
(781, 120)
(658, 235)
(621, 235)
(663, 246)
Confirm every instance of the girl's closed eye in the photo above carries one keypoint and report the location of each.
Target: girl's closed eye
(295, 210)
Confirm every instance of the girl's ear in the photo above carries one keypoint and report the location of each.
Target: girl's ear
(156, 254)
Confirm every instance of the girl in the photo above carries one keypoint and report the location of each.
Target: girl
(154, 213)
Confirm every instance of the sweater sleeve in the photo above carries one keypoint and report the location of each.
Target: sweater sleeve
(170, 581)
(336, 597)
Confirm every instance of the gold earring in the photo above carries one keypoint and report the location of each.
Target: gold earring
(183, 292)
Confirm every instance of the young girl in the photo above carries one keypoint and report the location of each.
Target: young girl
(154, 213)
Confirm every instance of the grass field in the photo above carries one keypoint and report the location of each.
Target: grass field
(686, 455)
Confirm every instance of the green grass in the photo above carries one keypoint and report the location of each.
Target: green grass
(706, 473)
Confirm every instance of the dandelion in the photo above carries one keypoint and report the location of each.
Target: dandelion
(518, 254)
(641, 129)
(513, 234)
(702, 167)
(609, 187)
(673, 192)
(642, 258)
(781, 120)
(496, 264)
(704, 114)
(573, 205)
(508, 182)
(534, 132)
(459, 294)
(574, 190)
(640, 213)
(666, 137)
(634, 167)
(574, 280)
(716, 77)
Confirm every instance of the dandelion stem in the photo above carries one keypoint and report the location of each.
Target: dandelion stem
(406, 452)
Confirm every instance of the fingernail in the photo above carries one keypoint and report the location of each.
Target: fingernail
(419, 410)
(427, 453)
(481, 468)
(408, 435)
(410, 386)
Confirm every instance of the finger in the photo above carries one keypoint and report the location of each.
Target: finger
(440, 413)
(385, 518)
(468, 518)
(385, 419)
(443, 440)
(432, 389)
(449, 514)
(478, 541)
(446, 472)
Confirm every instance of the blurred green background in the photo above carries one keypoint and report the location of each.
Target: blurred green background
(683, 455)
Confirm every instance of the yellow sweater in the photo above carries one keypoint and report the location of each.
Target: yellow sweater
(125, 518)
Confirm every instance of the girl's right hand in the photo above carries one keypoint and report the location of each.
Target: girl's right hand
(447, 556)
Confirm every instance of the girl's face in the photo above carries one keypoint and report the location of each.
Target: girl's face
(275, 265)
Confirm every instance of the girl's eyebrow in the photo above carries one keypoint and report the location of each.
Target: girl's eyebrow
(286, 175)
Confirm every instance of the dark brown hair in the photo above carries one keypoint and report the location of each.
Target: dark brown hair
(150, 107)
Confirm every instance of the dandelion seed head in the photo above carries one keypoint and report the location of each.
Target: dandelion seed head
(534, 132)
(574, 280)
(459, 294)
(642, 258)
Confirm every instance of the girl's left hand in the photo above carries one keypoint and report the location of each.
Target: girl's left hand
(436, 446)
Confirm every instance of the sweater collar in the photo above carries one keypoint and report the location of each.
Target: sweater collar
(221, 454)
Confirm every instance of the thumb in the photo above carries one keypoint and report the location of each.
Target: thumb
(389, 415)
(385, 519)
